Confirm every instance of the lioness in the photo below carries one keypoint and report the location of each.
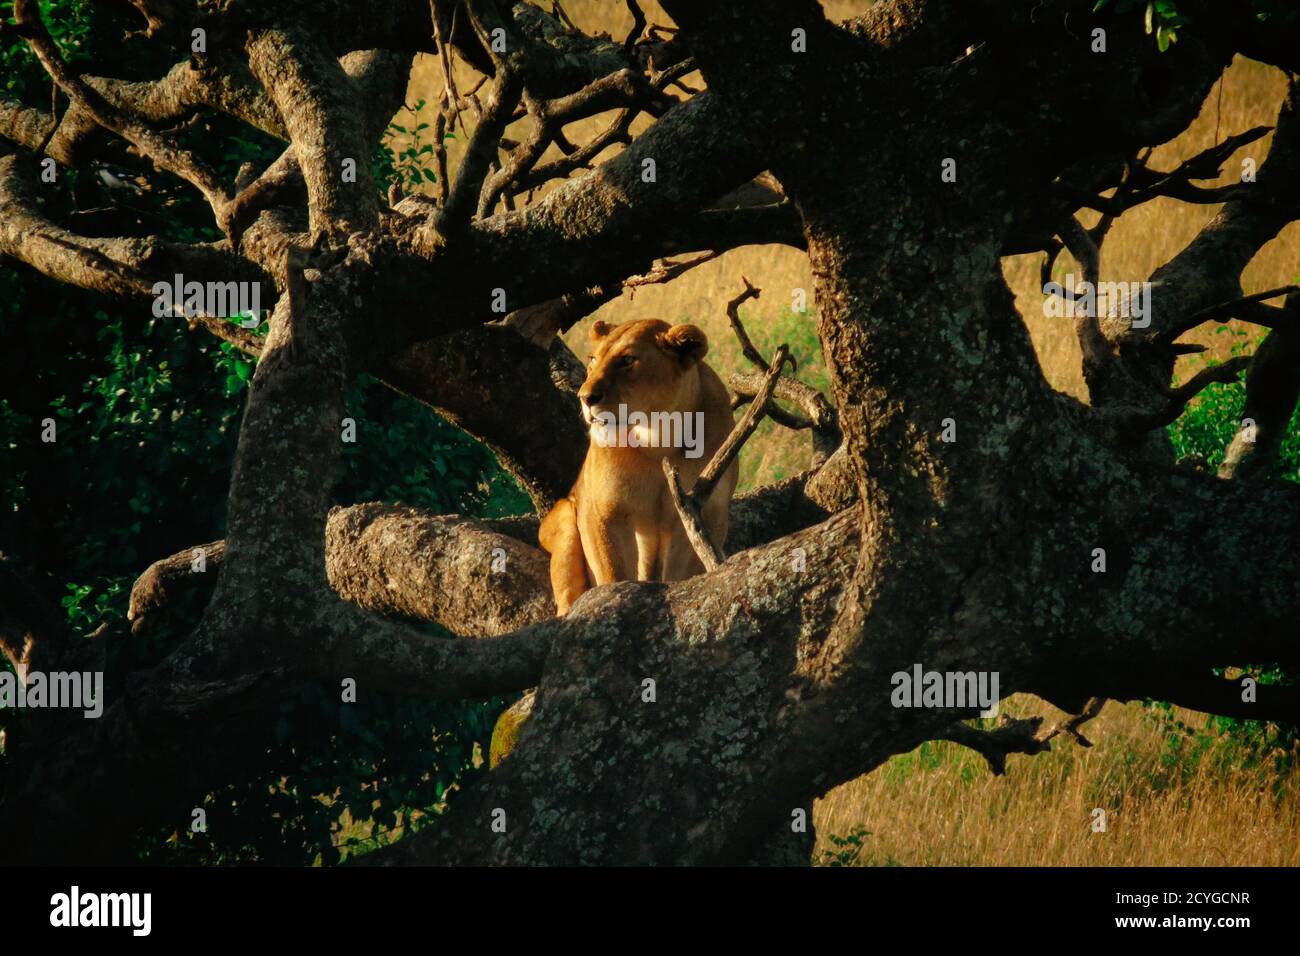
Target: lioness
(618, 523)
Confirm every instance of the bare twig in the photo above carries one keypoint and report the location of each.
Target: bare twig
(689, 505)
(1070, 726)
(481, 152)
(1223, 311)
(727, 452)
(1144, 184)
(618, 131)
(1020, 735)
(670, 75)
(821, 413)
(1144, 421)
(615, 89)
(451, 98)
(668, 269)
(1223, 372)
(733, 314)
(710, 554)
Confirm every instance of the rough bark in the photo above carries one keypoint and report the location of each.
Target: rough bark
(771, 674)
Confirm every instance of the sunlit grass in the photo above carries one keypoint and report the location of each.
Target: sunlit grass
(1169, 800)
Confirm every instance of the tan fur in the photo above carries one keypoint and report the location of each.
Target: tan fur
(618, 523)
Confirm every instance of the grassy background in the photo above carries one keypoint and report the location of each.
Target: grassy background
(1176, 791)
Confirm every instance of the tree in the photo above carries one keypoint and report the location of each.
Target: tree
(906, 150)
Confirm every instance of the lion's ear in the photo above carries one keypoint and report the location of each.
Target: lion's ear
(600, 328)
(687, 342)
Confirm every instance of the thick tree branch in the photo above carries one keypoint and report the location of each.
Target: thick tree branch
(1272, 391)
(400, 562)
(1010, 736)
(118, 266)
(165, 153)
(323, 115)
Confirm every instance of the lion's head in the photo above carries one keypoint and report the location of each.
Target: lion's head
(647, 366)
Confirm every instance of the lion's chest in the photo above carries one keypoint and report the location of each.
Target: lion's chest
(622, 488)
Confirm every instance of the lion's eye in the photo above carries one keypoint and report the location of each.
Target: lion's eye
(591, 361)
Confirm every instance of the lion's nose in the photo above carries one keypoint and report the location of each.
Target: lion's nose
(592, 397)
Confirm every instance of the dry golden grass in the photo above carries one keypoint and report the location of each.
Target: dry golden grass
(940, 806)
(957, 812)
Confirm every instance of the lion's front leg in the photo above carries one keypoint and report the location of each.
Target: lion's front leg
(677, 559)
(610, 548)
(559, 536)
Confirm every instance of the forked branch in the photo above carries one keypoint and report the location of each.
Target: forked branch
(1021, 735)
(160, 148)
(1246, 308)
(821, 417)
(688, 506)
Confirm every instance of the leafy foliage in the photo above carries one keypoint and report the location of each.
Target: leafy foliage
(147, 417)
(1205, 429)
(69, 24)
(1163, 19)
(1249, 742)
(845, 850)
(405, 155)
(1202, 433)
